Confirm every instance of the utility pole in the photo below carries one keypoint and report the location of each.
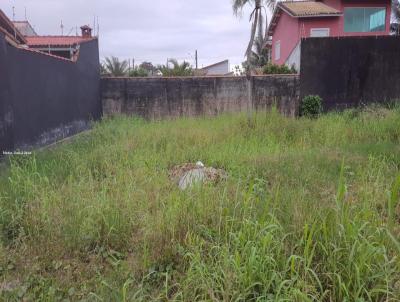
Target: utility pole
(197, 60)
(98, 26)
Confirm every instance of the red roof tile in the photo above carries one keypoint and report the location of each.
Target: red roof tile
(54, 40)
(308, 9)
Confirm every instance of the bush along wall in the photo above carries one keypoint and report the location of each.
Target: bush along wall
(278, 69)
(311, 106)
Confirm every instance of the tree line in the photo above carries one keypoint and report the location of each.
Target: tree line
(113, 66)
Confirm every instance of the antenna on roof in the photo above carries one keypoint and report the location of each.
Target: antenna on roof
(62, 28)
(15, 29)
(26, 19)
(70, 32)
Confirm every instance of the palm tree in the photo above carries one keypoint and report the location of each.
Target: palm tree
(260, 53)
(115, 67)
(178, 70)
(257, 18)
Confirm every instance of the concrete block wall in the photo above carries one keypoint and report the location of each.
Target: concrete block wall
(158, 98)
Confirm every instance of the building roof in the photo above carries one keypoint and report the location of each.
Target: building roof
(37, 41)
(25, 28)
(302, 9)
(10, 30)
(216, 64)
(308, 9)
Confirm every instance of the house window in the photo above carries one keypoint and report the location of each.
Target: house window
(364, 19)
(277, 50)
(319, 32)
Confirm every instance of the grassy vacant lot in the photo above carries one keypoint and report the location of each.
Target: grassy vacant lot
(310, 212)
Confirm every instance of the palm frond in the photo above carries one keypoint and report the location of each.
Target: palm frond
(238, 5)
(177, 70)
(115, 67)
(396, 10)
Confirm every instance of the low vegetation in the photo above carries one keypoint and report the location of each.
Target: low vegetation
(278, 69)
(309, 212)
(311, 106)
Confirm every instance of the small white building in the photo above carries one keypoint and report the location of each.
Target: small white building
(220, 68)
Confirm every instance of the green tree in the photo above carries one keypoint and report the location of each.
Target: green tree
(148, 67)
(178, 70)
(114, 67)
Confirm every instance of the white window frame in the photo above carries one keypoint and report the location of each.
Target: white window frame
(327, 29)
(277, 50)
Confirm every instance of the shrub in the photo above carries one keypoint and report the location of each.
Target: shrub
(278, 69)
(138, 72)
(311, 106)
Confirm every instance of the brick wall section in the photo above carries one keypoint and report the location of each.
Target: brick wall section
(158, 98)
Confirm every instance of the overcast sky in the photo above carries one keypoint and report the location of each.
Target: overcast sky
(136, 29)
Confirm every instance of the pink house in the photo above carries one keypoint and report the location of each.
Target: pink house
(294, 20)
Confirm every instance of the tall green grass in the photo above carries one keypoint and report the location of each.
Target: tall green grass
(310, 212)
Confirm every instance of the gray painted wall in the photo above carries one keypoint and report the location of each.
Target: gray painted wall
(6, 112)
(351, 71)
(157, 98)
(44, 99)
